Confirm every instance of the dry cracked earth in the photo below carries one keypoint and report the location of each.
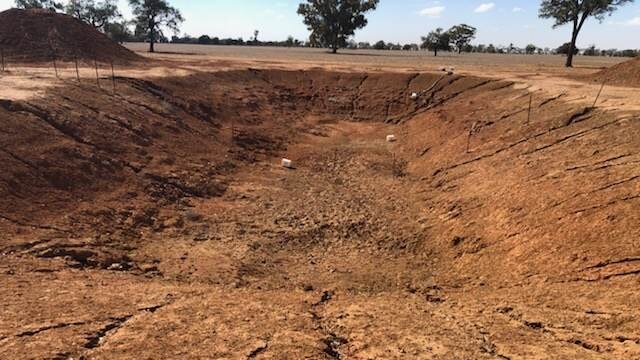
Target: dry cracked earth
(157, 223)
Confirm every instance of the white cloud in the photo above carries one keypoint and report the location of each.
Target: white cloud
(631, 22)
(483, 8)
(434, 11)
(517, 9)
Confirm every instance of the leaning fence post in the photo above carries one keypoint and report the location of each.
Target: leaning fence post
(95, 61)
(113, 77)
(530, 102)
(55, 65)
(599, 93)
(75, 59)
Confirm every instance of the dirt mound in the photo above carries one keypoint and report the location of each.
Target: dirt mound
(623, 74)
(36, 35)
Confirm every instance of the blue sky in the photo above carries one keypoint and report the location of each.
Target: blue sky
(500, 22)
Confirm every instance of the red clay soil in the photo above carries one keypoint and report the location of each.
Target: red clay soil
(157, 222)
(623, 74)
(36, 35)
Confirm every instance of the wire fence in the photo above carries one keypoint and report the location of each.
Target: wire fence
(61, 64)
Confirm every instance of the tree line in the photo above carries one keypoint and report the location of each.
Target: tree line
(208, 40)
(331, 23)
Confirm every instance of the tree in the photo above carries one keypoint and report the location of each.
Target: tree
(531, 49)
(255, 36)
(150, 16)
(461, 35)
(566, 48)
(436, 40)
(39, 4)
(332, 22)
(204, 40)
(576, 12)
(118, 31)
(380, 45)
(591, 51)
(95, 14)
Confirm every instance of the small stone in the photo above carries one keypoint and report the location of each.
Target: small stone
(149, 268)
(115, 267)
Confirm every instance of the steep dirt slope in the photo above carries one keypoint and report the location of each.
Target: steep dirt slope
(164, 141)
(157, 221)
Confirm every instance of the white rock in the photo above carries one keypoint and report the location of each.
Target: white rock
(414, 96)
(391, 138)
(287, 163)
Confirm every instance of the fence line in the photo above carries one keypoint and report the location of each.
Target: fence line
(57, 63)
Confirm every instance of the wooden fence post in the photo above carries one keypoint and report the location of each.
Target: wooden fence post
(55, 65)
(599, 93)
(530, 102)
(95, 61)
(75, 59)
(113, 77)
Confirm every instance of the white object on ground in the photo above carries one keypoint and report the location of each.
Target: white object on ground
(287, 163)
(391, 138)
(414, 96)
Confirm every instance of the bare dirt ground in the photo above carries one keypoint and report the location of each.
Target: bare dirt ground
(156, 222)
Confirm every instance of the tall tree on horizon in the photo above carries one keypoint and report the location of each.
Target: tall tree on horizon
(150, 16)
(332, 22)
(576, 12)
(461, 35)
(436, 40)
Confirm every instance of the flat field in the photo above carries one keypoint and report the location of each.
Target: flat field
(371, 59)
